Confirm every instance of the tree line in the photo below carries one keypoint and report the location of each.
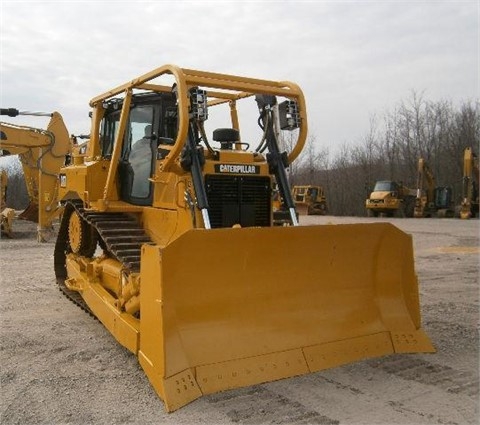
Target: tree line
(437, 131)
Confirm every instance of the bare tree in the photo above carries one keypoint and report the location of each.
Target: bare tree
(437, 131)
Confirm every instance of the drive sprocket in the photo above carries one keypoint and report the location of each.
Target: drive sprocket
(82, 237)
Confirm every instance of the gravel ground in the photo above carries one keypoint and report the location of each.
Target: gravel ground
(60, 366)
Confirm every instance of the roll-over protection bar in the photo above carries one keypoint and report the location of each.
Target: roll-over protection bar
(221, 88)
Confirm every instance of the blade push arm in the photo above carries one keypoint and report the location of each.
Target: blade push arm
(277, 160)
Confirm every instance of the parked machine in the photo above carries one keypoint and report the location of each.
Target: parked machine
(281, 214)
(41, 153)
(167, 237)
(309, 200)
(390, 199)
(431, 200)
(469, 205)
(6, 214)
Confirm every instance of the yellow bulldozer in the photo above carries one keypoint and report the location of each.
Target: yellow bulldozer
(41, 152)
(309, 200)
(167, 237)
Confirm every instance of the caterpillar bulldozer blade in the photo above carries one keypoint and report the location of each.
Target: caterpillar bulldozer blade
(302, 209)
(247, 308)
(184, 264)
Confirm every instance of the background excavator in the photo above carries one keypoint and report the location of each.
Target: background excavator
(168, 238)
(431, 200)
(41, 153)
(471, 177)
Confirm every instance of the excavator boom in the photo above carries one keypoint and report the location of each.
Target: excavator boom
(41, 153)
(470, 189)
(431, 200)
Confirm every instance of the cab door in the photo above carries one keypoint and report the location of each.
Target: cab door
(138, 156)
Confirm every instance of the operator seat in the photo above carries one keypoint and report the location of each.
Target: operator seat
(227, 137)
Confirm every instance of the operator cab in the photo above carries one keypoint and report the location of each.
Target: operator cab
(150, 133)
(385, 186)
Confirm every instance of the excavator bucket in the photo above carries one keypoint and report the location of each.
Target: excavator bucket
(6, 221)
(30, 213)
(253, 305)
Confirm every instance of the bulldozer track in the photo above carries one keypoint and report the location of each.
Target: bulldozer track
(119, 234)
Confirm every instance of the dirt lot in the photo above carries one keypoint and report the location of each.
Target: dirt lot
(60, 366)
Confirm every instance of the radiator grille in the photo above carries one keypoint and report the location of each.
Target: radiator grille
(238, 200)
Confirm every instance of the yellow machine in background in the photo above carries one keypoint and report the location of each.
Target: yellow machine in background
(390, 198)
(469, 205)
(6, 214)
(281, 214)
(41, 153)
(310, 200)
(431, 201)
(167, 237)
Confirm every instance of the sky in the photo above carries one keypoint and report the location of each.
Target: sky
(352, 59)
